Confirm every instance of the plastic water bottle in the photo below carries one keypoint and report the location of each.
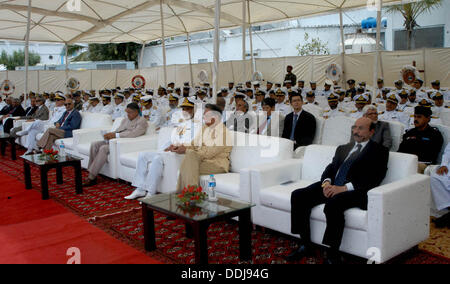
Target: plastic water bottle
(212, 196)
(62, 150)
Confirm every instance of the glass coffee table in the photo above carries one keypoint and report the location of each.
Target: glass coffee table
(4, 139)
(198, 218)
(45, 166)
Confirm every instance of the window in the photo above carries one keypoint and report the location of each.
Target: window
(431, 37)
(203, 61)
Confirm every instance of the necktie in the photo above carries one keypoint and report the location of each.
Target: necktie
(341, 178)
(263, 126)
(294, 125)
(65, 117)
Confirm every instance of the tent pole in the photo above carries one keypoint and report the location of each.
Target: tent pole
(377, 54)
(163, 43)
(141, 60)
(27, 47)
(251, 38)
(341, 20)
(244, 37)
(67, 61)
(216, 50)
(188, 40)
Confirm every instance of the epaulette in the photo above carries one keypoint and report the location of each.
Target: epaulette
(326, 111)
(381, 112)
(435, 117)
(399, 110)
(287, 103)
(354, 111)
(341, 110)
(447, 106)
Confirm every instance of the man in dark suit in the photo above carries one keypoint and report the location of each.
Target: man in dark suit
(300, 125)
(356, 168)
(14, 110)
(41, 113)
(382, 133)
(29, 112)
(71, 120)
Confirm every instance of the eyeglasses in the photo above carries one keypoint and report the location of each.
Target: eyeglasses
(67, 104)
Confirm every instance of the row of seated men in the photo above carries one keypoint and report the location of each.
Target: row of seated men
(342, 186)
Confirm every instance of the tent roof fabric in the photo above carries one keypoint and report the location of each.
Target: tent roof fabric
(104, 21)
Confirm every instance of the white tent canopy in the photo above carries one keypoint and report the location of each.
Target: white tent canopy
(103, 21)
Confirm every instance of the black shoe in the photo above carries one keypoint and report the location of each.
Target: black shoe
(300, 253)
(333, 257)
(90, 182)
(443, 221)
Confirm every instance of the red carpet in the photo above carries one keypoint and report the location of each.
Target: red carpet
(41, 232)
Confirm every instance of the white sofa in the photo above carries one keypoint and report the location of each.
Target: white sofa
(90, 122)
(249, 150)
(397, 218)
(397, 130)
(84, 139)
(128, 154)
(333, 132)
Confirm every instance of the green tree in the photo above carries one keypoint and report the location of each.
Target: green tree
(11, 61)
(411, 11)
(313, 47)
(112, 51)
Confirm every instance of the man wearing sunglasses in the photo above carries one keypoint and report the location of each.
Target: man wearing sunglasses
(71, 120)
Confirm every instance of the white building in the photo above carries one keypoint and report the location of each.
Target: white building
(50, 53)
(281, 39)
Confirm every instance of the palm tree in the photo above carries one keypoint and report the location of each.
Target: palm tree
(411, 11)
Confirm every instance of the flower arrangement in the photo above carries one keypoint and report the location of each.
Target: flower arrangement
(191, 195)
(49, 155)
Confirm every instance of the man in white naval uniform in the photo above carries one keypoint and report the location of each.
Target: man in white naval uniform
(107, 108)
(440, 188)
(327, 89)
(282, 105)
(119, 108)
(95, 106)
(333, 108)
(150, 112)
(40, 126)
(391, 113)
(150, 165)
(360, 102)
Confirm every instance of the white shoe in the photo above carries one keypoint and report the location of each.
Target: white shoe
(149, 194)
(22, 133)
(138, 193)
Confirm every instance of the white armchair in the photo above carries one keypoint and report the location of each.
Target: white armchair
(397, 218)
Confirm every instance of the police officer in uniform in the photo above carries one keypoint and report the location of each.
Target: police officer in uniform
(351, 92)
(423, 140)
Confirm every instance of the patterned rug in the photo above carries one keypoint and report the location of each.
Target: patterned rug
(268, 247)
(103, 205)
(104, 199)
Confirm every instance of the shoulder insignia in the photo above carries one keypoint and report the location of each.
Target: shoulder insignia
(354, 111)
(381, 112)
(399, 110)
(341, 110)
